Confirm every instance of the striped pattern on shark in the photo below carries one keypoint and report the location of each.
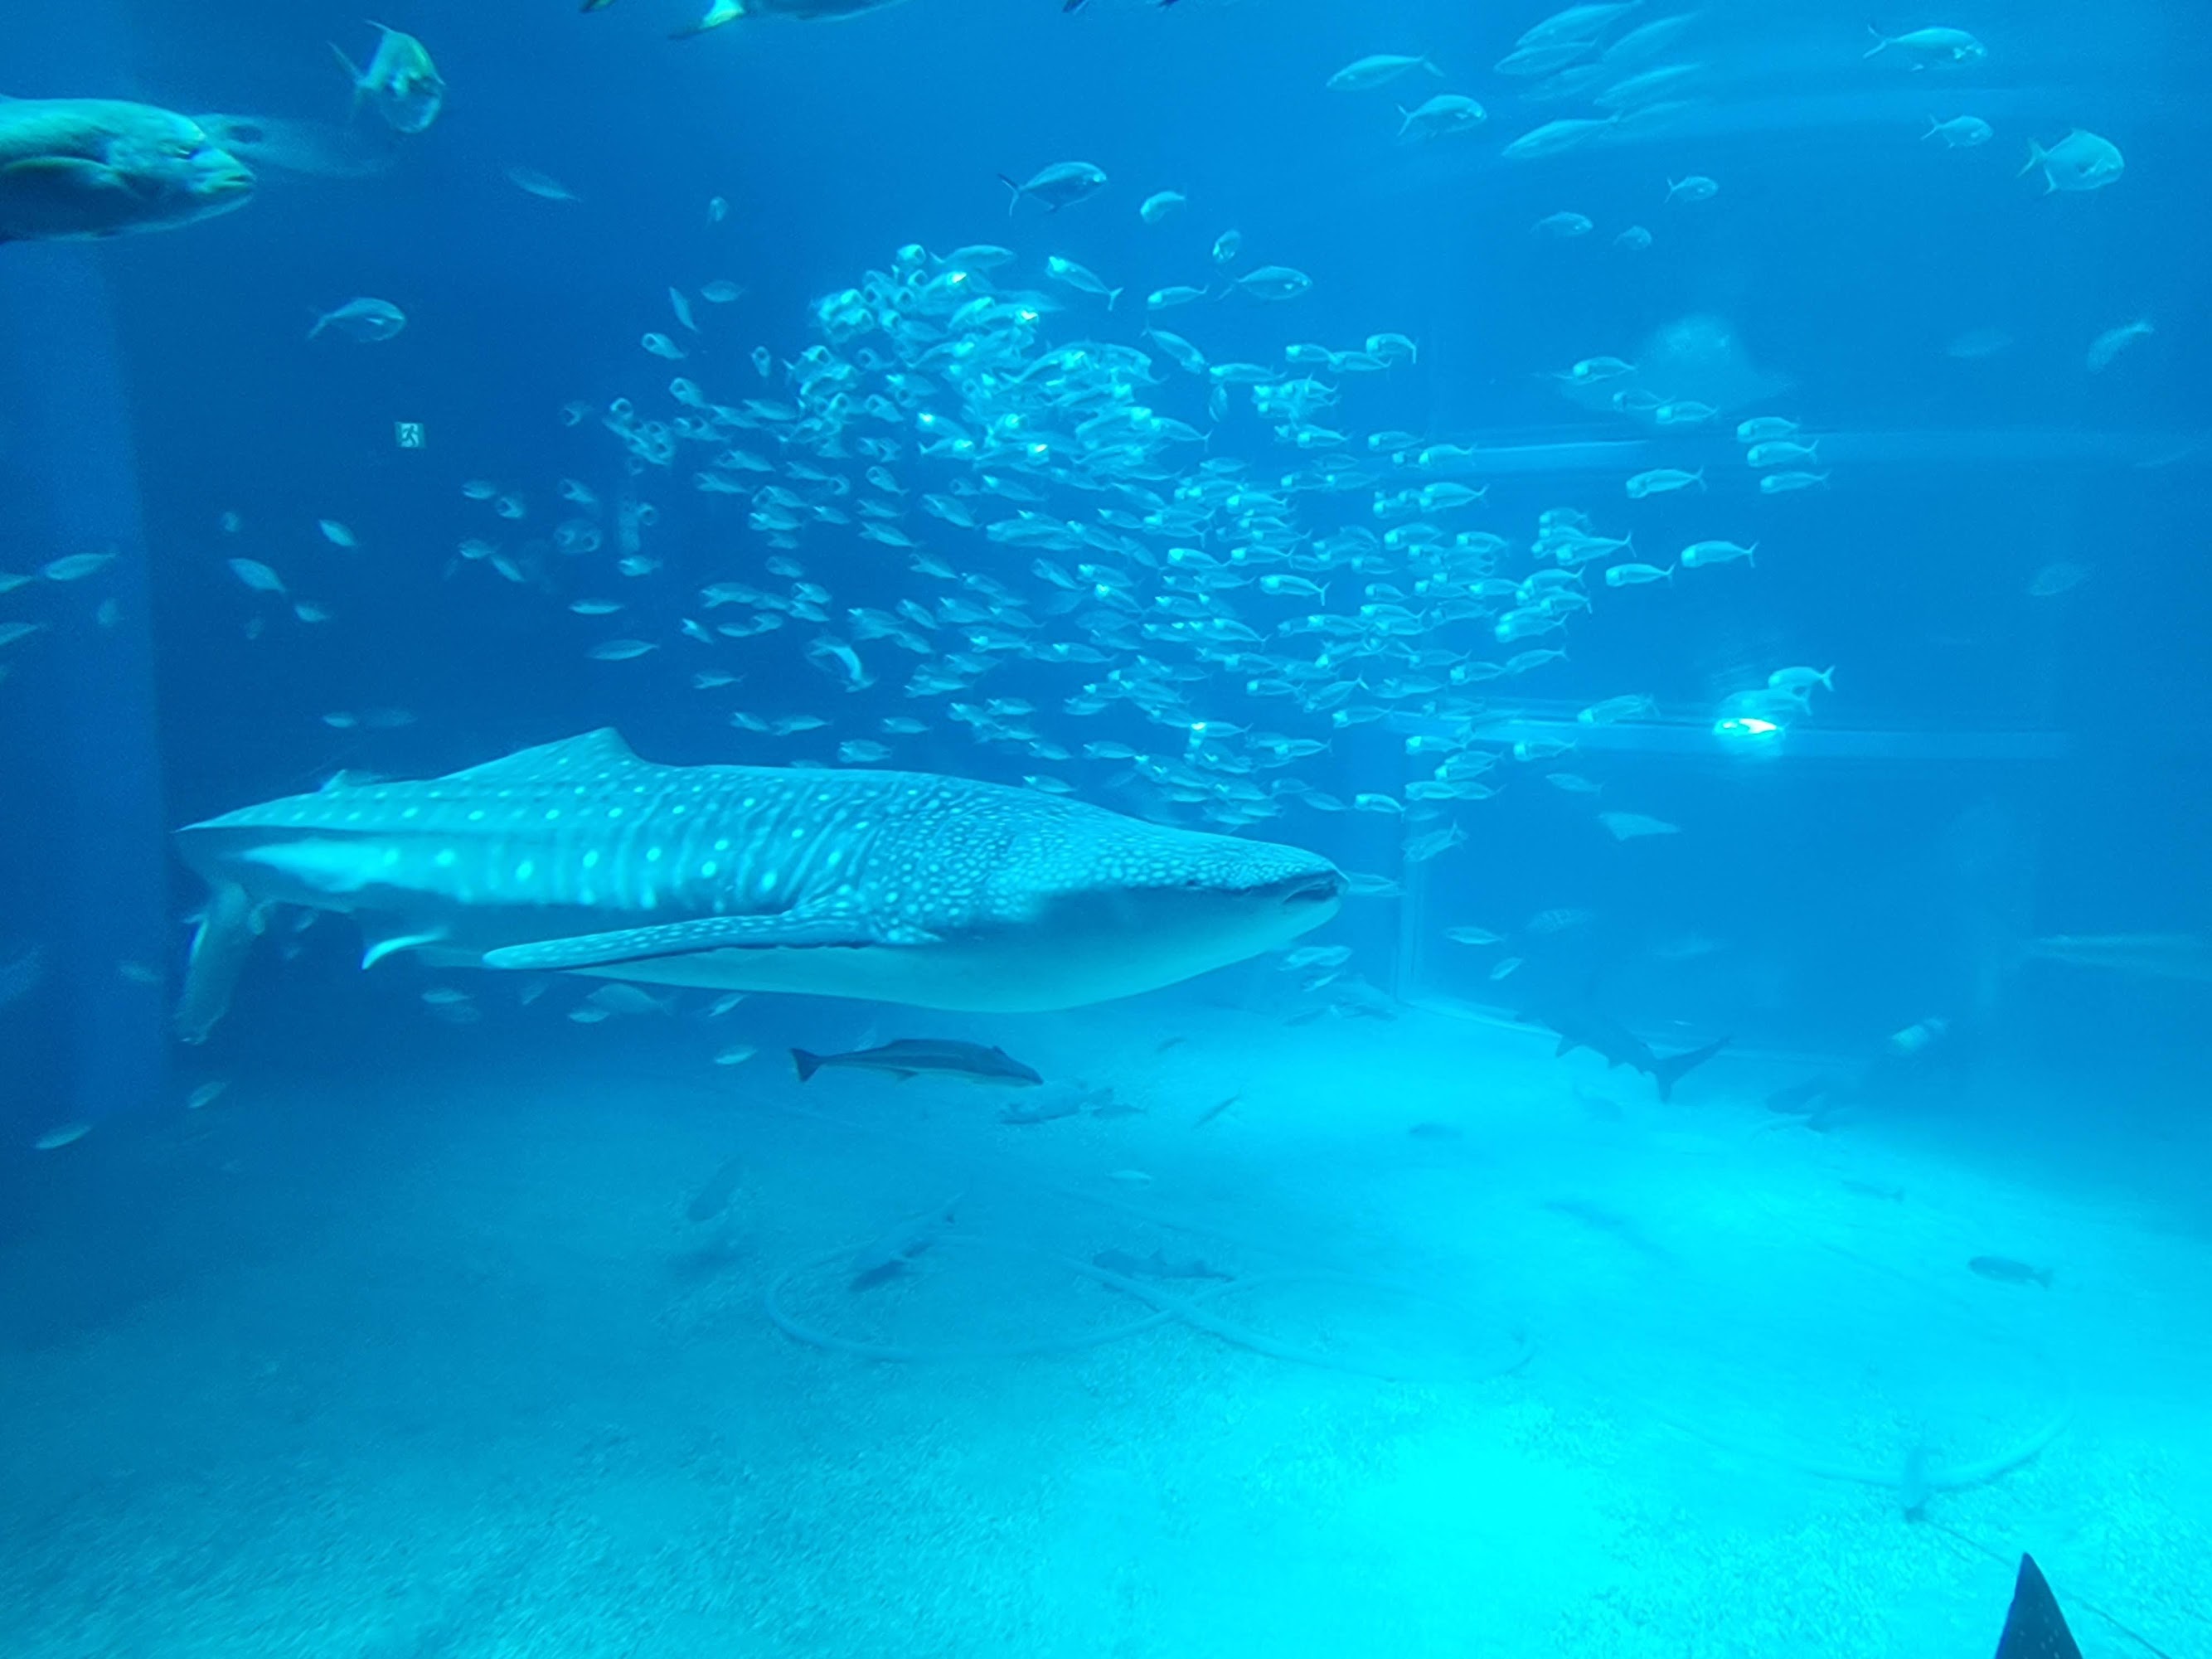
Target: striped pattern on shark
(897, 886)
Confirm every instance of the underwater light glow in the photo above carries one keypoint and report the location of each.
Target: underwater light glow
(1748, 734)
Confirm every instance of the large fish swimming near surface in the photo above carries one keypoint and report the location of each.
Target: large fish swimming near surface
(897, 886)
(719, 12)
(73, 169)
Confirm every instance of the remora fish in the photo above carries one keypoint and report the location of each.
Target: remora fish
(898, 886)
(912, 1056)
(75, 168)
(1580, 1025)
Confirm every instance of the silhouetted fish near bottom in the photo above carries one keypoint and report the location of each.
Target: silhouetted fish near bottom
(721, 1187)
(1154, 1265)
(886, 1256)
(2006, 1270)
(1581, 1026)
(911, 1057)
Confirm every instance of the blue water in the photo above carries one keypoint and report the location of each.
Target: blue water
(455, 1316)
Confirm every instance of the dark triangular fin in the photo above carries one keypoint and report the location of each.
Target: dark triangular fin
(594, 752)
(2035, 1628)
(1669, 1071)
(808, 1064)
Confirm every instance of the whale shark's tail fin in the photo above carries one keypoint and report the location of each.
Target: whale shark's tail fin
(2035, 1628)
(1670, 1070)
(228, 927)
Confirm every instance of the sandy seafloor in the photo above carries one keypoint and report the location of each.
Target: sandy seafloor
(424, 1356)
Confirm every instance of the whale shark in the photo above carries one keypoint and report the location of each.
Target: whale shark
(904, 887)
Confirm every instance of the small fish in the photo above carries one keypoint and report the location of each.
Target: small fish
(1695, 188)
(721, 292)
(1046, 1106)
(2114, 341)
(736, 1055)
(1376, 70)
(1154, 1265)
(1227, 247)
(1214, 1111)
(256, 576)
(1922, 47)
(1474, 936)
(365, 321)
(532, 182)
(1801, 681)
(1664, 480)
(1632, 826)
(620, 650)
(400, 81)
(2056, 578)
(1960, 132)
(620, 999)
(1440, 117)
(1698, 554)
(1564, 225)
(662, 347)
(680, 304)
(1783, 483)
(712, 1198)
(1634, 706)
(1420, 849)
(1507, 968)
(61, 1135)
(885, 1256)
(2079, 161)
(1061, 185)
(336, 533)
(1160, 204)
(913, 1057)
(75, 566)
(2006, 1270)
(206, 1095)
(1081, 279)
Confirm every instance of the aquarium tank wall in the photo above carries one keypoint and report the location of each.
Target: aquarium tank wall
(973, 827)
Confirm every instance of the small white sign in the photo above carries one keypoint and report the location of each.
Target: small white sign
(410, 433)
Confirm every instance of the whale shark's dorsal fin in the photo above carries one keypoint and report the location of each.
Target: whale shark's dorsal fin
(602, 751)
(2035, 1628)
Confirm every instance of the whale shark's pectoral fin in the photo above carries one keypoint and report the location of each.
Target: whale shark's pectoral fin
(790, 930)
(378, 948)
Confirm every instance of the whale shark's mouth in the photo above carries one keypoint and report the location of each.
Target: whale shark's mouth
(1325, 889)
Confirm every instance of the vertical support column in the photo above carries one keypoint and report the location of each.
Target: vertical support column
(85, 872)
(83, 865)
